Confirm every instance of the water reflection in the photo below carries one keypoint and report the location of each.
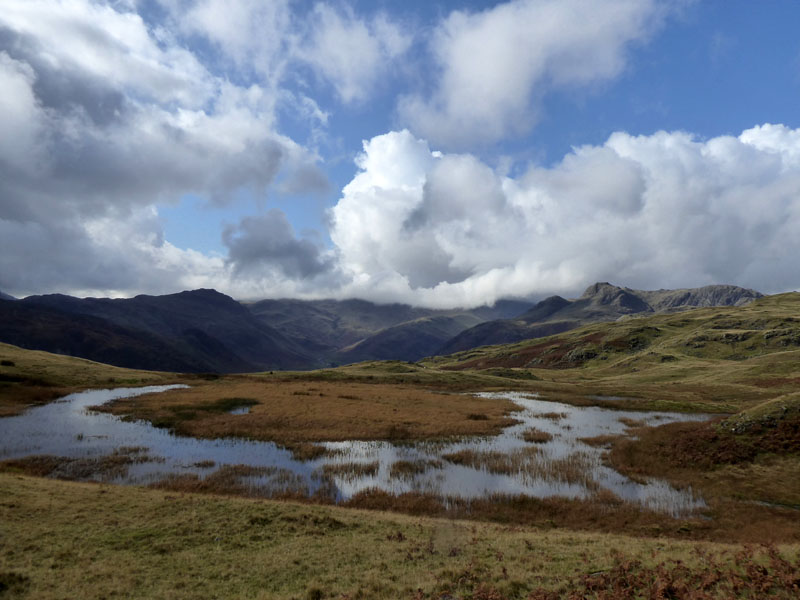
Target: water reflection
(543, 455)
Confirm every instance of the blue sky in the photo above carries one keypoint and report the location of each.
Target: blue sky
(437, 153)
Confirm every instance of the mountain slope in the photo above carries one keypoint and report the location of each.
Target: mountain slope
(344, 331)
(409, 341)
(201, 327)
(52, 330)
(766, 326)
(600, 302)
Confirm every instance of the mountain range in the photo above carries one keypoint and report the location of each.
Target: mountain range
(206, 331)
(600, 302)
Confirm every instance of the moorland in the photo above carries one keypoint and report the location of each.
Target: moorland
(739, 364)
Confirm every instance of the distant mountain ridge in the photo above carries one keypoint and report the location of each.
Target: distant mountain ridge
(206, 331)
(201, 330)
(601, 301)
(346, 331)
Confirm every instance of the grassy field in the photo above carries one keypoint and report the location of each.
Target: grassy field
(63, 539)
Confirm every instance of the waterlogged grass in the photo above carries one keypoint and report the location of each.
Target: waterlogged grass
(351, 470)
(104, 468)
(300, 412)
(754, 458)
(536, 436)
(102, 542)
(409, 468)
(575, 468)
(246, 480)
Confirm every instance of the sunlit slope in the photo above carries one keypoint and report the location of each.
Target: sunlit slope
(727, 357)
(32, 377)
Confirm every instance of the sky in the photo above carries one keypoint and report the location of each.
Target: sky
(436, 153)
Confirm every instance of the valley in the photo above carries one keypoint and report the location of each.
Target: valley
(709, 415)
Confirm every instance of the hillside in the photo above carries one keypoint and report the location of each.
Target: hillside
(600, 302)
(408, 341)
(346, 331)
(726, 357)
(29, 377)
(195, 331)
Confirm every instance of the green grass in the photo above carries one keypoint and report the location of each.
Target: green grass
(722, 359)
(96, 541)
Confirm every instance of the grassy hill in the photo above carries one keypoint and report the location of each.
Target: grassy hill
(720, 359)
(29, 377)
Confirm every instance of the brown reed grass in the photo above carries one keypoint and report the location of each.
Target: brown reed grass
(346, 411)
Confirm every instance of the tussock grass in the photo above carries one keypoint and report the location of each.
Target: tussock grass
(599, 440)
(536, 436)
(754, 460)
(552, 416)
(103, 468)
(403, 469)
(344, 411)
(102, 541)
(351, 470)
(631, 423)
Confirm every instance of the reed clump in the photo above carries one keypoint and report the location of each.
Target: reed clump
(536, 436)
(351, 470)
(406, 469)
(101, 468)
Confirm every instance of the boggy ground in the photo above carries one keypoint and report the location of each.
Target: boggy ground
(97, 541)
(291, 412)
(750, 458)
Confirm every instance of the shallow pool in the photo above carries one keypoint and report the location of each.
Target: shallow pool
(558, 463)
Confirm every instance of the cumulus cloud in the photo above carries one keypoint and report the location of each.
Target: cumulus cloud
(495, 66)
(268, 243)
(252, 35)
(106, 113)
(664, 210)
(103, 116)
(351, 52)
(345, 50)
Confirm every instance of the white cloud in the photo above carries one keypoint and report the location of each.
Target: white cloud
(496, 65)
(253, 35)
(101, 118)
(115, 47)
(351, 52)
(21, 118)
(665, 210)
